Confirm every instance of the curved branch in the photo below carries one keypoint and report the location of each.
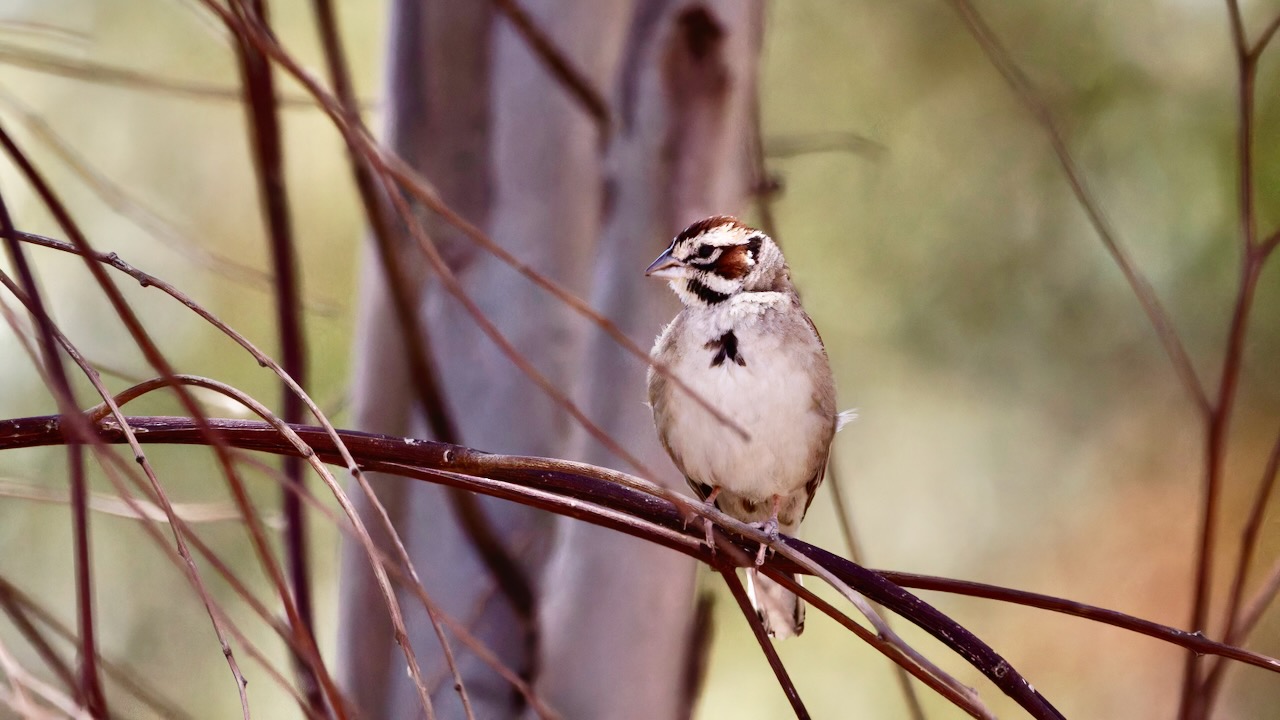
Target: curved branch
(597, 495)
(766, 645)
(1142, 289)
(1194, 641)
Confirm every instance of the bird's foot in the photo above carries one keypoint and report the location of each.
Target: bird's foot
(770, 529)
(710, 539)
(707, 525)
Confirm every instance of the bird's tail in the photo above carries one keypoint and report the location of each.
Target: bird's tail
(781, 612)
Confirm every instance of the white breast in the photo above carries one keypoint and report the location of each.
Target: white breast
(771, 397)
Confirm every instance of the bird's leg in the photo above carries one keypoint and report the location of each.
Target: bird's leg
(710, 502)
(770, 528)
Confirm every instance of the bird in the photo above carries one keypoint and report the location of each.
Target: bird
(744, 343)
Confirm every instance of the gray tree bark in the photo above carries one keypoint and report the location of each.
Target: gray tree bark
(474, 110)
(616, 615)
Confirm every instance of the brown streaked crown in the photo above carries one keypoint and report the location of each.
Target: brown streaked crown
(709, 223)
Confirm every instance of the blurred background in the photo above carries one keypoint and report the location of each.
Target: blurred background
(1019, 422)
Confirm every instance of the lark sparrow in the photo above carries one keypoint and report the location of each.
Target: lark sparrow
(745, 344)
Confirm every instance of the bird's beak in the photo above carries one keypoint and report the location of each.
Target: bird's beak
(666, 266)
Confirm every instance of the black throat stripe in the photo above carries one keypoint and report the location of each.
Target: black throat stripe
(704, 293)
(726, 347)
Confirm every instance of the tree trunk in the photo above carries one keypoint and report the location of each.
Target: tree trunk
(616, 616)
(473, 109)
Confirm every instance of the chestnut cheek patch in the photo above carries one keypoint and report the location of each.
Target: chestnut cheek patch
(734, 263)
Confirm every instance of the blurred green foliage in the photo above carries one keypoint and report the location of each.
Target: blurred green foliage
(1020, 423)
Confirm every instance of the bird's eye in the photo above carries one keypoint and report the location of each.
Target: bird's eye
(704, 251)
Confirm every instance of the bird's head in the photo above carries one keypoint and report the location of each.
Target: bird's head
(719, 257)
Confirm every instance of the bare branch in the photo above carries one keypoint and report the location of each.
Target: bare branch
(598, 495)
(730, 575)
(1193, 641)
(424, 375)
(123, 201)
(1147, 298)
(1269, 245)
(1265, 38)
(11, 594)
(1238, 626)
(35, 638)
(347, 460)
(101, 73)
(1237, 27)
(90, 682)
(194, 513)
(574, 81)
(797, 145)
(964, 698)
(187, 564)
(1262, 599)
(392, 168)
(458, 628)
(20, 680)
(266, 143)
(157, 359)
(844, 519)
(1195, 704)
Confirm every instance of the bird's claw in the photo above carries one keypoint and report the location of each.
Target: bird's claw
(770, 529)
(710, 504)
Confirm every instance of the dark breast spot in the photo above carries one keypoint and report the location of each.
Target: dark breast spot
(725, 348)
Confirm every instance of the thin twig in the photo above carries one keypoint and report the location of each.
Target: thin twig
(1265, 38)
(90, 690)
(124, 201)
(36, 639)
(790, 146)
(158, 361)
(194, 513)
(1193, 703)
(562, 487)
(188, 565)
(265, 134)
(964, 698)
(181, 557)
(1269, 245)
(454, 626)
(1236, 627)
(844, 518)
(344, 457)
(844, 576)
(126, 78)
(730, 575)
(303, 450)
(162, 706)
(1193, 641)
(424, 375)
(1146, 296)
(393, 168)
(554, 59)
(1258, 604)
(21, 681)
